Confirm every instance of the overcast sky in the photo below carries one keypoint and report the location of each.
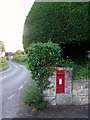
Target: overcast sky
(12, 17)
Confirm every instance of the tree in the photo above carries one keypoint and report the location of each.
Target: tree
(2, 48)
(19, 52)
(62, 23)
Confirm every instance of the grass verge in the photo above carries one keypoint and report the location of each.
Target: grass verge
(3, 64)
(33, 96)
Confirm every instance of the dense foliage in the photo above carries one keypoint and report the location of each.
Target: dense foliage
(21, 59)
(62, 23)
(43, 56)
(81, 69)
(19, 52)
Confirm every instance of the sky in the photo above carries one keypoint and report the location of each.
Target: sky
(12, 17)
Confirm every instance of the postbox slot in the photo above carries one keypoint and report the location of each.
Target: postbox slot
(60, 74)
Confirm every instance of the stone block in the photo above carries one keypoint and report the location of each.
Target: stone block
(74, 92)
(89, 84)
(84, 101)
(89, 91)
(64, 99)
(68, 91)
(83, 97)
(89, 99)
(80, 92)
(76, 85)
(85, 85)
(86, 91)
(49, 93)
(51, 100)
(76, 100)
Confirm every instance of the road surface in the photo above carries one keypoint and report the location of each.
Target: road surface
(12, 81)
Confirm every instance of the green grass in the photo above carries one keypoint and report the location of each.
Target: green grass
(32, 95)
(3, 64)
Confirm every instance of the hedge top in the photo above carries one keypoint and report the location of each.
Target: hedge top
(62, 23)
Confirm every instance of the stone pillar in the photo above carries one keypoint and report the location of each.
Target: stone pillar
(51, 92)
(66, 98)
(60, 99)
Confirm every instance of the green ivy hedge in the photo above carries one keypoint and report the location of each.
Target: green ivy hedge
(41, 57)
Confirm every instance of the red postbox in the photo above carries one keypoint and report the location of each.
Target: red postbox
(60, 81)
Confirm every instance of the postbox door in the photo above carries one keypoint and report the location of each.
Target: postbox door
(60, 81)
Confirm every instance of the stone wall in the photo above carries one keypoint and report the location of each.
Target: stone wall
(81, 92)
(60, 99)
(66, 98)
(76, 91)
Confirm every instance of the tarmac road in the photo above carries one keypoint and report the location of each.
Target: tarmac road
(12, 81)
